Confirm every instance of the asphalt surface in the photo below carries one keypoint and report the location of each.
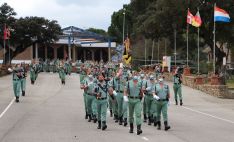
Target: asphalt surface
(51, 112)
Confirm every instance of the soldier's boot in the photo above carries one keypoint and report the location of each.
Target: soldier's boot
(120, 120)
(149, 120)
(23, 93)
(159, 125)
(116, 119)
(139, 131)
(145, 118)
(90, 118)
(16, 99)
(104, 126)
(86, 115)
(181, 102)
(99, 125)
(111, 113)
(61, 81)
(155, 122)
(94, 119)
(131, 128)
(125, 122)
(176, 102)
(167, 127)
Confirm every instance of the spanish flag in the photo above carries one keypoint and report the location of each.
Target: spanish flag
(196, 21)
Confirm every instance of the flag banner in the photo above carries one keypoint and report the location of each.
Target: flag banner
(221, 15)
(189, 17)
(6, 33)
(196, 21)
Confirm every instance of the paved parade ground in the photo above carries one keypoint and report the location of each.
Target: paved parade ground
(51, 112)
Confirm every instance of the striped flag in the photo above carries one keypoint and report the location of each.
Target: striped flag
(221, 15)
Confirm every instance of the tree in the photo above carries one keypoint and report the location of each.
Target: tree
(23, 30)
(98, 31)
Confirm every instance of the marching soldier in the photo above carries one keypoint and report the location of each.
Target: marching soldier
(149, 89)
(62, 74)
(162, 96)
(101, 97)
(117, 85)
(91, 99)
(177, 80)
(23, 79)
(17, 75)
(133, 95)
(33, 72)
(143, 83)
(84, 86)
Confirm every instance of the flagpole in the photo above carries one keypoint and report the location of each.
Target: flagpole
(4, 56)
(145, 51)
(198, 50)
(152, 53)
(158, 50)
(214, 43)
(9, 52)
(187, 40)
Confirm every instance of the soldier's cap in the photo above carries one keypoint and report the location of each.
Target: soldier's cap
(151, 77)
(135, 77)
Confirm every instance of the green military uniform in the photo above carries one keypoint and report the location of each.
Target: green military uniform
(16, 82)
(33, 73)
(62, 74)
(162, 91)
(102, 104)
(118, 83)
(143, 84)
(84, 83)
(177, 88)
(134, 103)
(148, 99)
(23, 80)
(91, 99)
(82, 74)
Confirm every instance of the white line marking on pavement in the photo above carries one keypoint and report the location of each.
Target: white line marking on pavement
(144, 138)
(12, 101)
(229, 121)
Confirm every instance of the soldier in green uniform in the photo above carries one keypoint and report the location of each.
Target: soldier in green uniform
(61, 71)
(33, 72)
(117, 85)
(23, 79)
(133, 95)
(84, 86)
(162, 96)
(177, 80)
(91, 99)
(101, 90)
(149, 89)
(17, 75)
(143, 83)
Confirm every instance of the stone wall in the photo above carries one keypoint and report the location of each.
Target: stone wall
(203, 84)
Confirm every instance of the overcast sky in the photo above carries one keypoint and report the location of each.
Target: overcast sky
(79, 13)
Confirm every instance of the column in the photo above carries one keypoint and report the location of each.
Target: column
(46, 52)
(31, 51)
(73, 53)
(55, 52)
(92, 51)
(101, 54)
(36, 51)
(109, 54)
(84, 52)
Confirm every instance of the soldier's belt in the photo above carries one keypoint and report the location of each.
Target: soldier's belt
(177, 83)
(102, 98)
(148, 94)
(16, 79)
(119, 91)
(90, 94)
(162, 100)
(134, 97)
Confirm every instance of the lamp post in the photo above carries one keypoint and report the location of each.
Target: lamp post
(124, 13)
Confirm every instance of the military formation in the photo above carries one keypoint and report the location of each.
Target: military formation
(131, 96)
(127, 94)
